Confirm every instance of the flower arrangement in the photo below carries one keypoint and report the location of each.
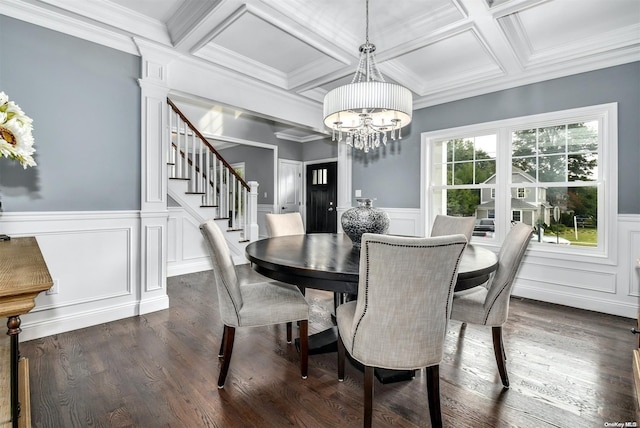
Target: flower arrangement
(16, 141)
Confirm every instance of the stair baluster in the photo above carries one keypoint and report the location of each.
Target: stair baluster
(191, 157)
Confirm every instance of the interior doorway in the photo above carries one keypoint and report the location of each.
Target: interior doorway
(289, 186)
(322, 193)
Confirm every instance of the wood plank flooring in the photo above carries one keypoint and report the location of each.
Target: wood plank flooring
(568, 368)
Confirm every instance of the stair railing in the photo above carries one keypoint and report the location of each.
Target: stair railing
(191, 157)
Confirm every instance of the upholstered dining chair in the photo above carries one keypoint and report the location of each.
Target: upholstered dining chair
(450, 225)
(488, 304)
(284, 224)
(252, 305)
(385, 329)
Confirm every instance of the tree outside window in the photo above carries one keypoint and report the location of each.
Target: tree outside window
(544, 171)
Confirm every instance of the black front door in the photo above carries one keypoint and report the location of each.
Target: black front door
(322, 191)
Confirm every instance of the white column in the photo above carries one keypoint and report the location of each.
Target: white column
(344, 180)
(153, 205)
(251, 228)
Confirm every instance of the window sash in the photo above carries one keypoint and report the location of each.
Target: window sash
(605, 178)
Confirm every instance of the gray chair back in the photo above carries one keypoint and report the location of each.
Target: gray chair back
(228, 286)
(496, 304)
(449, 225)
(284, 224)
(404, 299)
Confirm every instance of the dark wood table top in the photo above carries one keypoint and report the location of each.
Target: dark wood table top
(329, 262)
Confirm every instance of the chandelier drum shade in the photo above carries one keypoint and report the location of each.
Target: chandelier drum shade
(366, 112)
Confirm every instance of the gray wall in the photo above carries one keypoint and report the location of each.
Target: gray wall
(85, 104)
(258, 167)
(392, 174)
(321, 149)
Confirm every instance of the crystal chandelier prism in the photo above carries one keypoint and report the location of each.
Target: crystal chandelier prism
(368, 111)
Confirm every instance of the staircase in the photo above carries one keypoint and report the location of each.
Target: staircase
(207, 187)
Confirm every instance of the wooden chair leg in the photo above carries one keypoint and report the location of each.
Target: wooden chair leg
(221, 351)
(304, 348)
(368, 396)
(433, 394)
(341, 356)
(229, 335)
(498, 350)
(289, 335)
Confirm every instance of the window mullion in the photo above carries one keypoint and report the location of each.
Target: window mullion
(503, 182)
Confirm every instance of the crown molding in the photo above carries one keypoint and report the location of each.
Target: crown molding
(189, 18)
(190, 75)
(223, 57)
(116, 16)
(48, 17)
(539, 74)
(284, 136)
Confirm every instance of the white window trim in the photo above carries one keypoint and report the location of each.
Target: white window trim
(607, 114)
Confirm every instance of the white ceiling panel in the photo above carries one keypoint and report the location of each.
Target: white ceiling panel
(551, 24)
(444, 62)
(442, 50)
(273, 47)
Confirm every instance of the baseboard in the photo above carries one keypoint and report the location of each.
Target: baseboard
(183, 268)
(623, 309)
(75, 321)
(152, 305)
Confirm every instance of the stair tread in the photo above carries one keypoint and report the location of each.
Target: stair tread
(208, 206)
(178, 178)
(194, 193)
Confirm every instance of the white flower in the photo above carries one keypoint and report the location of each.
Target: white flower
(16, 140)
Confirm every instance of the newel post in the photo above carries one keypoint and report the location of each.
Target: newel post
(251, 226)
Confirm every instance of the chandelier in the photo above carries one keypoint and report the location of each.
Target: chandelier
(369, 110)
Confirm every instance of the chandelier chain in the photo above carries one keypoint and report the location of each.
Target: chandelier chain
(368, 111)
(366, 28)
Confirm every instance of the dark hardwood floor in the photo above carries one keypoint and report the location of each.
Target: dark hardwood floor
(568, 368)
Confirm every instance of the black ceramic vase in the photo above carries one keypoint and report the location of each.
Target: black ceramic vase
(364, 219)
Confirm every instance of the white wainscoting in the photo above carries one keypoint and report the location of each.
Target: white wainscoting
(94, 258)
(187, 252)
(405, 221)
(591, 284)
(595, 285)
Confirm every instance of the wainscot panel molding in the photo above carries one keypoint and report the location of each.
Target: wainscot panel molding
(94, 260)
(404, 221)
(263, 210)
(603, 286)
(186, 250)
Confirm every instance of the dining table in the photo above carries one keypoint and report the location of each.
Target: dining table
(330, 262)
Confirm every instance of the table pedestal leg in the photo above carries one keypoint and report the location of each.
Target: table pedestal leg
(13, 329)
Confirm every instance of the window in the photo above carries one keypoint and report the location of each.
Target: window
(551, 171)
(319, 176)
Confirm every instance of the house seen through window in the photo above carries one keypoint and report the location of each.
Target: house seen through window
(546, 171)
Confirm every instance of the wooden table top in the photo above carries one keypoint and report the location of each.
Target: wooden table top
(329, 262)
(23, 275)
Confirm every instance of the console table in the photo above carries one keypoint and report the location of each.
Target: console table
(23, 275)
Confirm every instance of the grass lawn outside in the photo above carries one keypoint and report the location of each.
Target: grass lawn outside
(587, 237)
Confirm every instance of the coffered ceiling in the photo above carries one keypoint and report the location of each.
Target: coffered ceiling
(442, 50)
